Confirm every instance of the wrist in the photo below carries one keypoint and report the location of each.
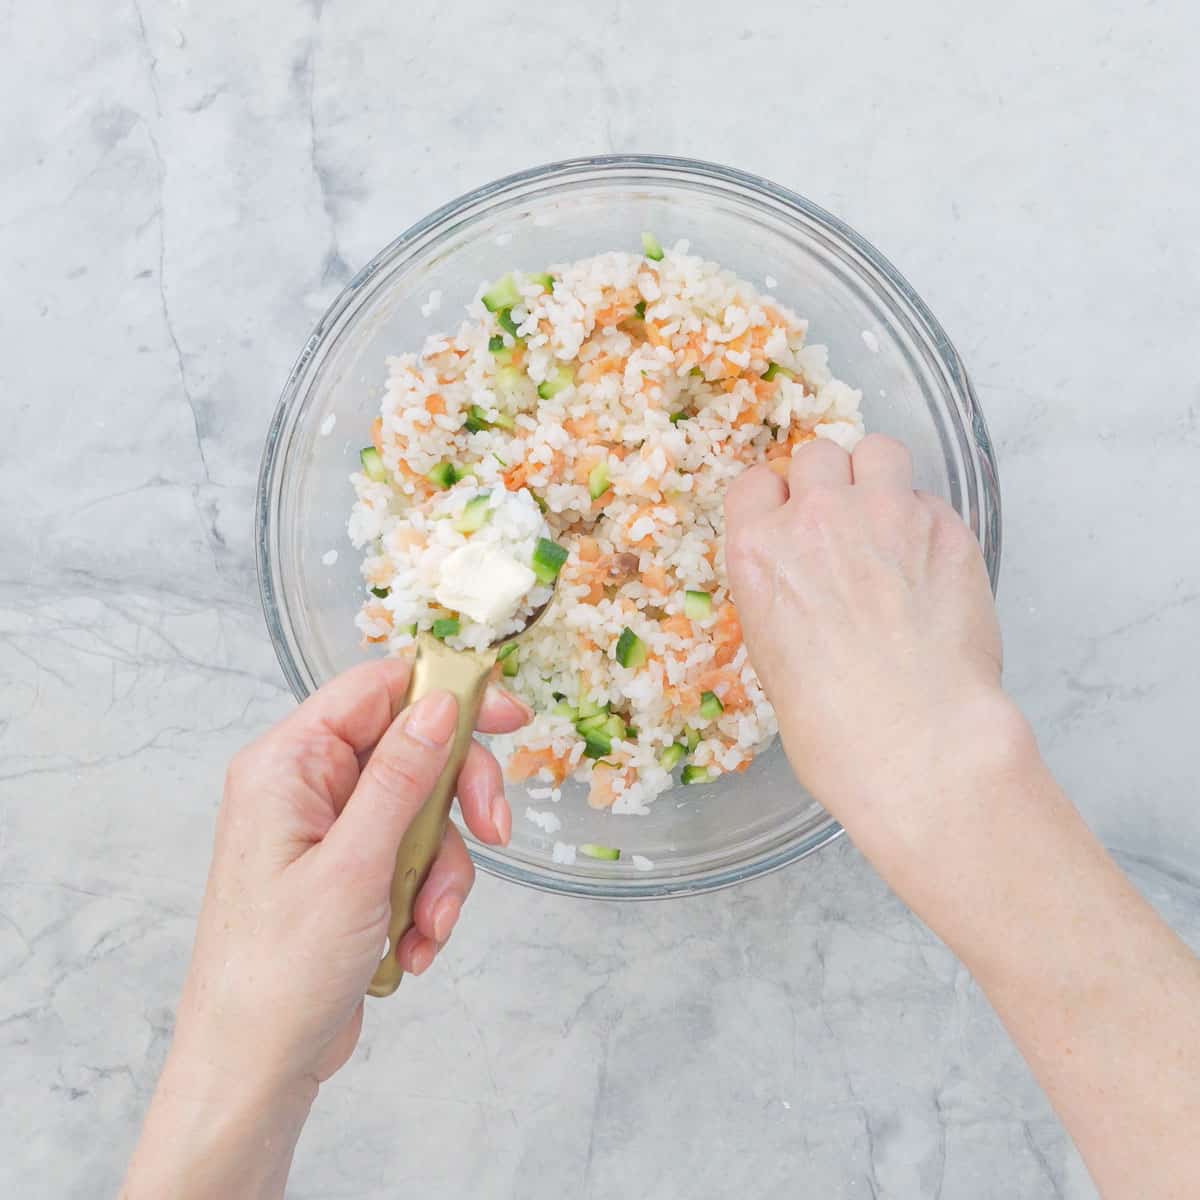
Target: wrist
(909, 793)
(214, 1132)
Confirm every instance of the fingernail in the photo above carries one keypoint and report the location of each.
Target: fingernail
(422, 956)
(445, 913)
(517, 705)
(431, 720)
(501, 817)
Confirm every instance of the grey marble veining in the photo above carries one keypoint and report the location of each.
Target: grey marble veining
(187, 186)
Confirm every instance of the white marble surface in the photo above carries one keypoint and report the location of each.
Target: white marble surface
(188, 184)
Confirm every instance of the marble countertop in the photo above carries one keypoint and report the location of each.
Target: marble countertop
(188, 185)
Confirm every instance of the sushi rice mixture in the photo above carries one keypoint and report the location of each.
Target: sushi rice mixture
(578, 432)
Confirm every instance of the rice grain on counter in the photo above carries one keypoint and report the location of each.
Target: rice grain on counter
(609, 402)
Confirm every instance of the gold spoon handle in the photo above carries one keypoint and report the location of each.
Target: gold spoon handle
(465, 674)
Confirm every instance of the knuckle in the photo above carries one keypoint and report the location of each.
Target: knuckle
(746, 553)
(820, 506)
(396, 770)
(881, 443)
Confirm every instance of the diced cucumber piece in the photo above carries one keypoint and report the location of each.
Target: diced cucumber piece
(697, 606)
(640, 309)
(598, 480)
(412, 630)
(496, 343)
(691, 774)
(652, 247)
(631, 734)
(592, 724)
(443, 475)
(444, 627)
(502, 294)
(548, 558)
(562, 379)
(475, 514)
(510, 666)
(372, 464)
(544, 281)
(477, 420)
(604, 853)
(711, 706)
(672, 756)
(508, 378)
(615, 727)
(563, 709)
(542, 505)
(589, 708)
(631, 650)
(691, 739)
(695, 371)
(505, 650)
(774, 369)
(505, 320)
(382, 593)
(681, 415)
(596, 744)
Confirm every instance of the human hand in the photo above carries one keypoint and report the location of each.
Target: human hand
(867, 613)
(296, 912)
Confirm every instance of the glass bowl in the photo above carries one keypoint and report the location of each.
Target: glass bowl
(881, 338)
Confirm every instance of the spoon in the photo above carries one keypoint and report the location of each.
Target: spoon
(465, 674)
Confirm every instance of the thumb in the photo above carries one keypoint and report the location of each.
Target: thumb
(393, 785)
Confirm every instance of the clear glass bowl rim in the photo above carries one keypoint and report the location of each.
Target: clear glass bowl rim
(634, 168)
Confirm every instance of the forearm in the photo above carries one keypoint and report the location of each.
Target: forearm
(213, 1137)
(1100, 996)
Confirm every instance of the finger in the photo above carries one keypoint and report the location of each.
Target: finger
(882, 462)
(415, 952)
(443, 894)
(481, 797)
(358, 705)
(818, 464)
(502, 712)
(395, 782)
(754, 493)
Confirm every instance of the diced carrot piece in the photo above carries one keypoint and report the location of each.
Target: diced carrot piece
(678, 625)
(581, 427)
(727, 633)
(514, 478)
(377, 434)
(727, 687)
(435, 404)
(655, 577)
(583, 467)
(524, 763)
(602, 794)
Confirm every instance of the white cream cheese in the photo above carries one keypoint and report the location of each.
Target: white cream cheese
(484, 583)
